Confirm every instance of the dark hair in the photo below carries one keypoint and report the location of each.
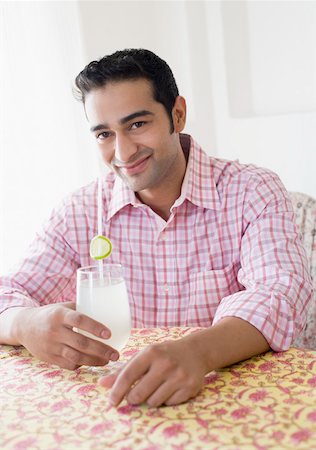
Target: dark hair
(130, 64)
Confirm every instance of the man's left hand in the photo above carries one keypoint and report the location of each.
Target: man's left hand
(168, 373)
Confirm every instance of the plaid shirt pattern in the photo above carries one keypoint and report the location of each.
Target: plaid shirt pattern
(229, 248)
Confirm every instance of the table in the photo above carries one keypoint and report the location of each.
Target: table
(267, 402)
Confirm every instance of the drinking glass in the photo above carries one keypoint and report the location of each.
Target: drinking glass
(102, 295)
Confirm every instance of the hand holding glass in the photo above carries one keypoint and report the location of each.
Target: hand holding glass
(102, 295)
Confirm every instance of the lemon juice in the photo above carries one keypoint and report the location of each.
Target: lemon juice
(105, 300)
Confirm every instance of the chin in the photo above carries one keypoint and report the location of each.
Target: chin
(135, 187)
(134, 184)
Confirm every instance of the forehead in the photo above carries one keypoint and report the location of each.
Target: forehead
(119, 99)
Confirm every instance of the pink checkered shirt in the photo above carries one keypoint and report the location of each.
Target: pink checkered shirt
(229, 248)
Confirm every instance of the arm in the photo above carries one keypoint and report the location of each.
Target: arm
(47, 332)
(47, 273)
(274, 267)
(30, 299)
(268, 313)
(8, 325)
(172, 372)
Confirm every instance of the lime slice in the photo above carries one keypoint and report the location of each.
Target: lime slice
(100, 247)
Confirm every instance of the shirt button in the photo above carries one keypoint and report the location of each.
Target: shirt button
(166, 287)
(163, 236)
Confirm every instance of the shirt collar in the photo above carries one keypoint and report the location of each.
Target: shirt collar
(199, 186)
(121, 197)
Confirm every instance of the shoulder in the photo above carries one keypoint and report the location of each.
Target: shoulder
(87, 195)
(226, 171)
(253, 186)
(83, 201)
(245, 177)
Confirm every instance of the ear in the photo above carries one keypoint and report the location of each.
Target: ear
(179, 112)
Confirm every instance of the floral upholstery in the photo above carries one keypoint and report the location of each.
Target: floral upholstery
(305, 210)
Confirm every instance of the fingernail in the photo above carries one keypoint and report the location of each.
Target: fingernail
(105, 334)
(114, 356)
(113, 401)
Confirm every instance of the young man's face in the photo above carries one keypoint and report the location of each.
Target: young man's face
(133, 132)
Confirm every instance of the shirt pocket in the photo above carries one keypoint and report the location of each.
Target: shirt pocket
(207, 289)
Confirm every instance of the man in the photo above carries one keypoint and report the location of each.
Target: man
(204, 242)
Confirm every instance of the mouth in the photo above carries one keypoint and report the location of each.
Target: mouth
(136, 167)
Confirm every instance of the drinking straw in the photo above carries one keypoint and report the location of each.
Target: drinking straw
(100, 222)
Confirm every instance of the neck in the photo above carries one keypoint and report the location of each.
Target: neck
(161, 198)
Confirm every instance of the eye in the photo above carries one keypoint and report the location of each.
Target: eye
(102, 136)
(136, 125)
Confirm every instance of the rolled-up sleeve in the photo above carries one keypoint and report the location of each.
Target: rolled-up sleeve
(274, 268)
(46, 274)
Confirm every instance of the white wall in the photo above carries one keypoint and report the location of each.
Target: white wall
(247, 69)
(44, 150)
(263, 59)
(175, 30)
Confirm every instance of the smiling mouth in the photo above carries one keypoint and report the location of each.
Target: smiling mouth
(134, 168)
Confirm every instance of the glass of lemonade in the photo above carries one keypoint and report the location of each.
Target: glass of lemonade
(102, 295)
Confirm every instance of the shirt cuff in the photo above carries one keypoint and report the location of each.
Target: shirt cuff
(10, 298)
(270, 314)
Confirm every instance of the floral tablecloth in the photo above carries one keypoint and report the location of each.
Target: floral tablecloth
(267, 402)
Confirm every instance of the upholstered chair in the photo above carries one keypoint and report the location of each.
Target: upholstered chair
(305, 210)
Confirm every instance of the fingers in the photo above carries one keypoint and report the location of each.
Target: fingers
(74, 319)
(156, 392)
(159, 397)
(50, 337)
(131, 373)
(64, 364)
(82, 350)
(87, 345)
(146, 386)
(85, 350)
(158, 375)
(180, 396)
(76, 359)
(108, 380)
(171, 393)
(150, 389)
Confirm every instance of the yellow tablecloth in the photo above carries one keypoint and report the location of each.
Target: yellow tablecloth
(264, 403)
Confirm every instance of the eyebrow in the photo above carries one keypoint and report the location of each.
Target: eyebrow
(124, 120)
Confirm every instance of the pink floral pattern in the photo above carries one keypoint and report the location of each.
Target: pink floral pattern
(268, 402)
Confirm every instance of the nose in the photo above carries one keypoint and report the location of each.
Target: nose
(125, 148)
